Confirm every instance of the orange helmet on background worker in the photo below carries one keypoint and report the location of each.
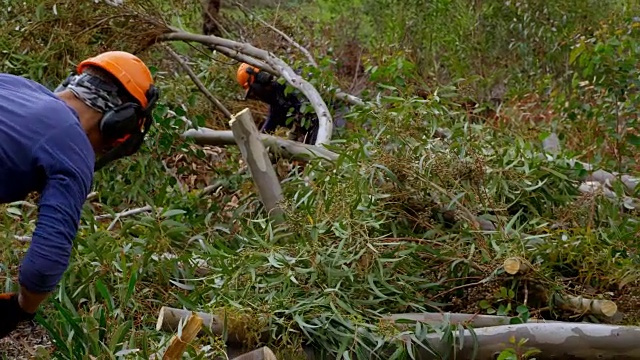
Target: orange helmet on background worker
(248, 75)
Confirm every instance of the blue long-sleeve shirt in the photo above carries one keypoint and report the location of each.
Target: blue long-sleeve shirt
(43, 148)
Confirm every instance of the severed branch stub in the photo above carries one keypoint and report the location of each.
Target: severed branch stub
(169, 318)
(179, 343)
(255, 155)
(584, 305)
(516, 265)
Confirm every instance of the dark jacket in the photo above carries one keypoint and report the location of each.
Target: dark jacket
(285, 111)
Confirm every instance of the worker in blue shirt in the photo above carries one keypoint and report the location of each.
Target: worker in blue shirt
(51, 143)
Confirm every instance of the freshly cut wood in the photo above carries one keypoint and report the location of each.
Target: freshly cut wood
(555, 341)
(179, 343)
(264, 353)
(515, 265)
(584, 305)
(169, 318)
(287, 148)
(255, 155)
(436, 319)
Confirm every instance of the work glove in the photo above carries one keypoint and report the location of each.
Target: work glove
(11, 314)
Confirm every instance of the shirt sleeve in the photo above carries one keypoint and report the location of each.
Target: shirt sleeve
(67, 160)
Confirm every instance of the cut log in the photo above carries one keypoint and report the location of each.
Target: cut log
(255, 155)
(286, 148)
(169, 318)
(437, 319)
(588, 306)
(515, 265)
(264, 353)
(554, 340)
(179, 343)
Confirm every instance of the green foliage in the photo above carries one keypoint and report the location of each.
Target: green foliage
(386, 228)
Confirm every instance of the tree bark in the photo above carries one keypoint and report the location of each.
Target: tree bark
(555, 340)
(255, 155)
(474, 320)
(283, 147)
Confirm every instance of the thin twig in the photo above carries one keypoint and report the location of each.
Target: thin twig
(198, 83)
(302, 49)
(173, 174)
(125, 213)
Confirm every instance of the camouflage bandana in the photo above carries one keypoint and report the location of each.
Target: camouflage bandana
(94, 92)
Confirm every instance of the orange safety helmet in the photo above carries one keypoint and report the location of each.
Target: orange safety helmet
(127, 68)
(244, 75)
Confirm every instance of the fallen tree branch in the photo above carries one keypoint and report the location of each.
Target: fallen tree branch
(325, 121)
(554, 340)
(218, 184)
(283, 147)
(103, 217)
(125, 213)
(579, 304)
(255, 155)
(198, 83)
(474, 320)
(179, 343)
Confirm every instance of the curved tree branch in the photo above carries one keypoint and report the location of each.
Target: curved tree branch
(324, 116)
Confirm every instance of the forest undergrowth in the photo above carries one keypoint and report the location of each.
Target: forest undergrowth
(462, 99)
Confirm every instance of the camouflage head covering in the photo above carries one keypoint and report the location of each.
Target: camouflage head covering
(93, 91)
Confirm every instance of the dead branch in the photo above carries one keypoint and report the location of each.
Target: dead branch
(264, 353)
(255, 155)
(179, 343)
(198, 83)
(325, 121)
(282, 147)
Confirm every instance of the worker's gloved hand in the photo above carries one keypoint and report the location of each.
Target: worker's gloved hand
(11, 314)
